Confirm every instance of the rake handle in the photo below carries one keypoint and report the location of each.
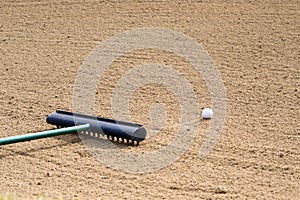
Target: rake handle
(43, 134)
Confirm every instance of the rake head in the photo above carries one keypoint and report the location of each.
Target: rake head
(117, 131)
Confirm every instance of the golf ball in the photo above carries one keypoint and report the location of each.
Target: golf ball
(207, 113)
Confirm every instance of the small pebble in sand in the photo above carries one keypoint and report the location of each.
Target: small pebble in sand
(221, 189)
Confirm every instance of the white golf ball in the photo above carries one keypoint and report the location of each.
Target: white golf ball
(207, 113)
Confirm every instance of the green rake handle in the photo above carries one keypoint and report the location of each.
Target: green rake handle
(44, 134)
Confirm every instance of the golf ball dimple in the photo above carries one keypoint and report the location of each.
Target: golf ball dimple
(207, 113)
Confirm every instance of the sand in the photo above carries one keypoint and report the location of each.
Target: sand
(254, 44)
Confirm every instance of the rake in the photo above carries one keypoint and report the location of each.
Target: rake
(69, 122)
